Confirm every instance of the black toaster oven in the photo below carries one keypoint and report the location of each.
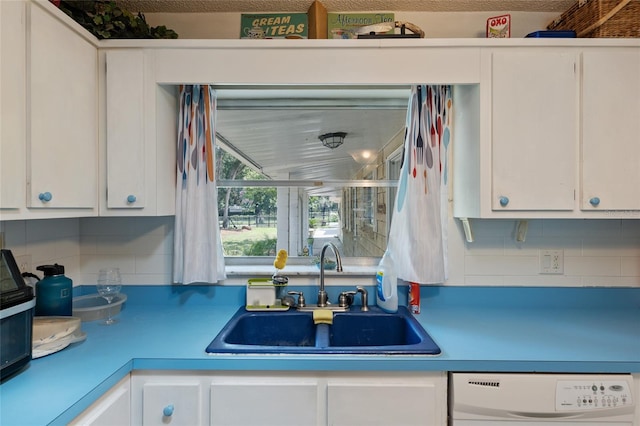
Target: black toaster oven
(16, 317)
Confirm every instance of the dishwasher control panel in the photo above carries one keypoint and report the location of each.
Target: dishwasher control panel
(585, 395)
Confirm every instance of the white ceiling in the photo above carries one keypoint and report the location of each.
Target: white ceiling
(253, 6)
(278, 130)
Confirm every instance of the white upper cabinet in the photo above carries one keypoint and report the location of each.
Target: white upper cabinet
(12, 106)
(534, 101)
(141, 130)
(125, 129)
(552, 132)
(611, 129)
(62, 120)
(541, 129)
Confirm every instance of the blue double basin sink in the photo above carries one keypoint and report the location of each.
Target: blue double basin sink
(352, 332)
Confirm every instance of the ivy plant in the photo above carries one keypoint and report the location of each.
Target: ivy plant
(105, 19)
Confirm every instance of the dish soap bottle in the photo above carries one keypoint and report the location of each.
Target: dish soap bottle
(387, 284)
(53, 292)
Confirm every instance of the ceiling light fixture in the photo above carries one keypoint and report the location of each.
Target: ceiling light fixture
(364, 156)
(332, 140)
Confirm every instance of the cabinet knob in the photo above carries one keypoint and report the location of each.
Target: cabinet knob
(595, 201)
(168, 410)
(504, 201)
(131, 199)
(45, 196)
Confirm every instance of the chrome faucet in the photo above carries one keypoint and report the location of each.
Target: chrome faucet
(322, 294)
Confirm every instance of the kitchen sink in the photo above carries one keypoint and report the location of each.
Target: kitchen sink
(271, 329)
(374, 330)
(352, 332)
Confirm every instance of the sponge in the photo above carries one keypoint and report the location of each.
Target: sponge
(281, 259)
(322, 316)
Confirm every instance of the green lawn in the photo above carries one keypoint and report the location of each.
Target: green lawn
(249, 242)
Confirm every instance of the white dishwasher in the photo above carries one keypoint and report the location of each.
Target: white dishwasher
(485, 399)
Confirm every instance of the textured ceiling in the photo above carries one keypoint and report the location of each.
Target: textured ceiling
(249, 6)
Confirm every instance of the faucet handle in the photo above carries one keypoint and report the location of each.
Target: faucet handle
(346, 299)
(301, 301)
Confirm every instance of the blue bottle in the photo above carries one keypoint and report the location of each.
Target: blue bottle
(54, 292)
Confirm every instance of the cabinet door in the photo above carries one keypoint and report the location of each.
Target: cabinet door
(62, 139)
(387, 401)
(611, 129)
(12, 104)
(534, 129)
(125, 129)
(171, 403)
(113, 408)
(264, 401)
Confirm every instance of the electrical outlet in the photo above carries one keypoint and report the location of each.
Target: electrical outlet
(24, 263)
(551, 262)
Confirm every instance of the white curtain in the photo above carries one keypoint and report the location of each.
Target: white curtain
(198, 256)
(418, 235)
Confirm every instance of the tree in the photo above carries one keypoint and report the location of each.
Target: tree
(228, 167)
(260, 200)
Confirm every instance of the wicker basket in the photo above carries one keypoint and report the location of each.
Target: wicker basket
(601, 18)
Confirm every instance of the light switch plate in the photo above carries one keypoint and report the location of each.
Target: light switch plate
(551, 262)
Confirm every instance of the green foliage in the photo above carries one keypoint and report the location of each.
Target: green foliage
(241, 242)
(317, 203)
(104, 19)
(265, 247)
(259, 200)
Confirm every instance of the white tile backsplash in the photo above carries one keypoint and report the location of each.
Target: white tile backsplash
(631, 228)
(630, 266)
(141, 247)
(47, 241)
(604, 266)
(596, 252)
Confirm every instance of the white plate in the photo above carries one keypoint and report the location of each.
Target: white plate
(52, 329)
(50, 348)
(78, 336)
(57, 345)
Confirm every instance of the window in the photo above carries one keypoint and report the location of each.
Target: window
(368, 203)
(279, 187)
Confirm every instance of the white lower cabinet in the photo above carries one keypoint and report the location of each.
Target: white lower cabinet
(167, 398)
(392, 399)
(265, 400)
(113, 408)
(289, 398)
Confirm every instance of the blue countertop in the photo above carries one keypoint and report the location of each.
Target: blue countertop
(523, 329)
